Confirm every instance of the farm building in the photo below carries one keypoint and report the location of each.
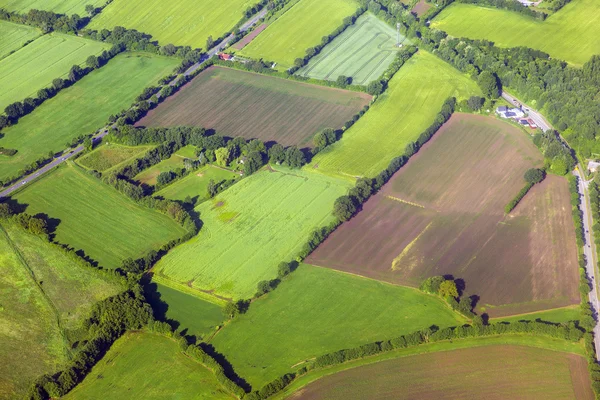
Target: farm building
(593, 166)
(506, 112)
(225, 56)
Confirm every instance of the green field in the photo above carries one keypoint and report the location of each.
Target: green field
(44, 295)
(96, 218)
(149, 175)
(316, 311)
(249, 229)
(110, 155)
(83, 108)
(362, 52)
(414, 96)
(68, 7)
(563, 315)
(33, 67)
(14, 36)
(572, 34)
(301, 27)
(196, 183)
(151, 367)
(183, 23)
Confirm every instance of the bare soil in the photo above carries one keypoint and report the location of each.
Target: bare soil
(250, 37)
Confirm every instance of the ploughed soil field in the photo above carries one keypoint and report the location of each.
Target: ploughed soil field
(239, 103)
(491, 372)
(443, 213)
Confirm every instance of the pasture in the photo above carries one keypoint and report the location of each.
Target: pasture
(150, 366)
(315, 311)
(182, 23)
(149, 175)
(491, 372)
(44, 296)
(299, 28)
(409, 105)
(239, 103)
(14, 36)
(68, 7)
(195, 185)
(108, 156)
(443, 213)
(94, 217)
(363, 51)
(80, 109)
(572, 34)
(34, 66)
(249, 229)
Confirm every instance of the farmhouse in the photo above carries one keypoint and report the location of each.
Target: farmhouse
(506, 112)
(593, 166)
(225, 57)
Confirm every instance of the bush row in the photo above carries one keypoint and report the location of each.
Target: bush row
(46, 21)
(513, 203)
(200, 355)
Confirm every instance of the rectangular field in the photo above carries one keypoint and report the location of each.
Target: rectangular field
(149, 175)
(68, 7)
(151, 366)
(14, 36)
(182, 23)
(238, 103)
(443, 213)
(33, 67)
(572, 34)
(297, 29)
(195, 185)
(414, 96)
(331, 311)
(96, 218)
(80, 109)
(490, 372)
(363, 51)
(109, 156)
(249, 229)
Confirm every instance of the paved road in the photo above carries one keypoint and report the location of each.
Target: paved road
(533, 114)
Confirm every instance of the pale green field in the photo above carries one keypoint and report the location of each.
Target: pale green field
(249, 229)
(149, 175)
(51, 56)
(301, 27)
(183, 23)
(14, 36)
(572, 34)
(409, 105)
(67, 7)
(195, 185)
(109, 156)
(96, 218)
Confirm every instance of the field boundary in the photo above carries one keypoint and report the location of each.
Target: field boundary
(199, 294)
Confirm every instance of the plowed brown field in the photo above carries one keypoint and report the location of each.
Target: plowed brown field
(443, 214)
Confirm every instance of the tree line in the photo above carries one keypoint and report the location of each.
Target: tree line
(532, 176)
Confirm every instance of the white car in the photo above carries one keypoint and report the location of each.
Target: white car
(24, 182)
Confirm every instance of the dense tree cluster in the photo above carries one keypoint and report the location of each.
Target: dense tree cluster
(46, 21)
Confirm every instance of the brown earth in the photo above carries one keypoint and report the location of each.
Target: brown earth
(443, 214)
(421, 8)
(250, 37)
(238, 103)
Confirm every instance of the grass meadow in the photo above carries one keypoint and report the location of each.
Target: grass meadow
(195, 185)
(14, 36)
(560, 315)
(80, 109)
(315, 311)
(409, 105)
(44, 295)
(149, 175)
(299, 28)
(183, 23)
(572, 34)
(363, 51)
(239, 103)
(249, 229)
(110, 155)
(147, 366)
(67, 7)
(96, 218)
(34, 66)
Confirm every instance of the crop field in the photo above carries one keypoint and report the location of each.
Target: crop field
(195, 185)
(443, 213)
(362, 52)
(30, 312)
(414, 97)
(149, 175)
(108, 156)
(33, 67)
(491, 372)
(249, 229)
(68, 7)
(182, 23)
(80, 109)
(250, 37)
(14, 36)
(96, 218)
(572, 34)
(331, 311)
(239, 103)
(150, 366)
(299, 28)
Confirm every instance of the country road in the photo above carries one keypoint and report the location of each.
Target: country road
(65, 155)
(533, 114)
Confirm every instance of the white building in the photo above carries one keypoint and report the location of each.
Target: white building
(506, 112)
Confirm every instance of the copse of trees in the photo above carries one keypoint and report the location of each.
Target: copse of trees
(534, 175)
(46, 21)
(447, 290)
